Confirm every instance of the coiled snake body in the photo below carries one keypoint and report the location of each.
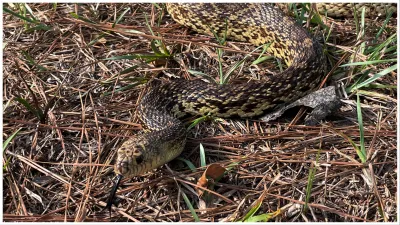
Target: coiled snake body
(165, 102)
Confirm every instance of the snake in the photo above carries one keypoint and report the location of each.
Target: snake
(166, 102)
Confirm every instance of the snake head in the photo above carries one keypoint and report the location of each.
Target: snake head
(130, 158)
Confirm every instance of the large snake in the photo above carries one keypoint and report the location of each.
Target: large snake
(166, 102)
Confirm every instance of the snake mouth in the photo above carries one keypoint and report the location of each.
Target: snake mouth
(122, 167)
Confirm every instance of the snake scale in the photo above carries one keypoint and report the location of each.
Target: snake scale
(165, 102)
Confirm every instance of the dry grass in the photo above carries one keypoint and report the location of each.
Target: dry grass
(59, 166)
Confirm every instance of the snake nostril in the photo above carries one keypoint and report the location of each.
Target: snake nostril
(139, 159)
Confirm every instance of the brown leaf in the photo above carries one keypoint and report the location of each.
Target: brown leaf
(213, 171)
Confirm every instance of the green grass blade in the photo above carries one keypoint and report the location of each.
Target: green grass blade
(5, 144)
(310, 179)
(388, 16)
(128, 70)
(157, 43)
(363, 21)
(202, 156)
(17, 15)
(239, 63)
(279, 64)
(160, 17)
(362, 153)
(155, 48)
(39, 27)
(261, 218)
(353, 144)
(375, 85)
(300, 17)
(356, 21)
(37, 112)
(258, 218)
(317, 19)
(231, 69)
(197, 121)
(369, 62)
(190, 206)
(252, 211)
(29, 10)
(9, 139)
(220, 52)
(32, 62)
(362, 31)
(26, 8)
(148, 25)
(156, 5)
(329, 33)
(265, 48)
(261, 59)
(76, 16)
(120, 17)
(375, 51)
(96, 39)
(188, 163)
(127, 87)
(375, 77)
(203, 75)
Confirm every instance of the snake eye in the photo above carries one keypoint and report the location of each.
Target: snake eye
(138, 154)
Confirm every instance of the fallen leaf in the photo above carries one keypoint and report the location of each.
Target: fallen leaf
(213, 171)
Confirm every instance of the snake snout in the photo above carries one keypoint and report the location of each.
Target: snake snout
(129, 156)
